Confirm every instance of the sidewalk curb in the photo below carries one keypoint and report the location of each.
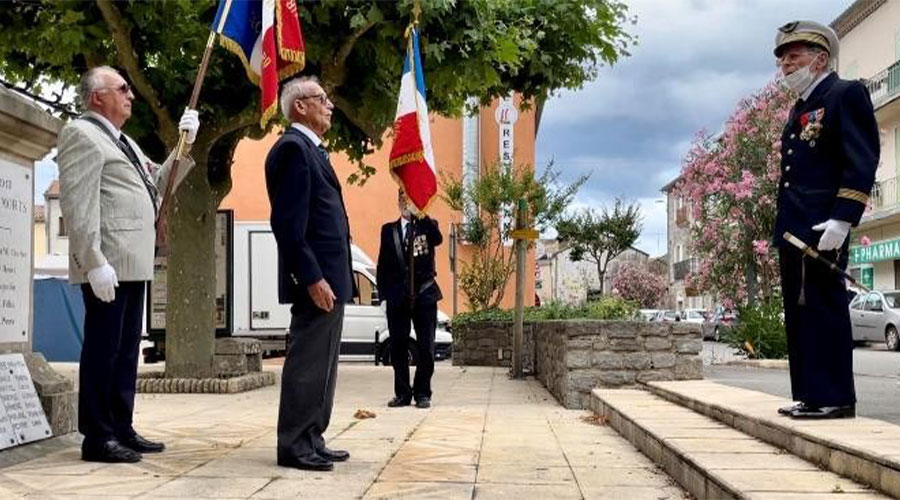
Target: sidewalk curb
(769, 364)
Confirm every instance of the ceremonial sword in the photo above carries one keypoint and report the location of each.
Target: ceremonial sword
(793, 240)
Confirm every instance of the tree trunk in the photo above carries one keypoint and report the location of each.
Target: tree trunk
(750, 276)
(191, 277)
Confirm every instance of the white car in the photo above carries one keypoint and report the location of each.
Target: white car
(649, 314)
(693, 316)
(365, 334)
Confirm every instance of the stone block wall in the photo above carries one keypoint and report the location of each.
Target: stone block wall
(582, 355)
(489, 343)
(573, 357)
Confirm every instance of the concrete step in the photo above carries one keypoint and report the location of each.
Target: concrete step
(862, 449)
(712, 460)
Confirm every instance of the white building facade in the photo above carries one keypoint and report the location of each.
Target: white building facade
(869, 31)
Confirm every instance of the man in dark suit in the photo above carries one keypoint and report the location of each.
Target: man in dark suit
(829, 153)
(409, 236)
(310, 225)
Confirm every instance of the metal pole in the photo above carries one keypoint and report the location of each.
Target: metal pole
(162, 236)
(454, 238)
(518, 334)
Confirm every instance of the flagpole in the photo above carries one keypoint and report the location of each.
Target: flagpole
(162, 240)
(410, 32)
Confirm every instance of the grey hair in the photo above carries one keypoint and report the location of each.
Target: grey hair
(90, 81)
(293, 90)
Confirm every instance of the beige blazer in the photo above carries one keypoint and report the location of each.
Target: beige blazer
(107, 209)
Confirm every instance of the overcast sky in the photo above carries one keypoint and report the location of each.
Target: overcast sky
(694, 60)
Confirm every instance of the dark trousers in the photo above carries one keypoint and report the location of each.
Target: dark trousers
(308, 379)
(424, 319)
(820, 342)
(109, 357)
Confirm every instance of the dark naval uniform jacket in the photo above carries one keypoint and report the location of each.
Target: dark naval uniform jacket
(829, 153)
(393, 258)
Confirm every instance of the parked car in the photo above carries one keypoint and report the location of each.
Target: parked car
(649, 314)
(720, 321)
(875, 317)
(443, 343)
(697, 316)
(668, 316)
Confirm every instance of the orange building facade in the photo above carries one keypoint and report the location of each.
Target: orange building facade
(375, 203)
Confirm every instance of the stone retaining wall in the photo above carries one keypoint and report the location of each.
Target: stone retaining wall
(489, 343)
(573, 357)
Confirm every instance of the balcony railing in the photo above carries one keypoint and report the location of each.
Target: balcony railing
(885, 194)
(885, 85)
(683, 268)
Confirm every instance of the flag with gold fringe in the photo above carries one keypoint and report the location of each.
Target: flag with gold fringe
(412, 157)
(266, 35)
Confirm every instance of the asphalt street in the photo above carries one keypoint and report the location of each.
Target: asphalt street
(877, 378)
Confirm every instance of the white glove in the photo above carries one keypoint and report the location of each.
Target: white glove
(190, 123)
(103, 282)
(836, 232)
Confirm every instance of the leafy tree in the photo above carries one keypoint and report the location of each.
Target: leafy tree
(489, 204)
(640, 285)
(482, 48)
(600, 236)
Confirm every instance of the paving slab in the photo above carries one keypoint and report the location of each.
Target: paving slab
(486, 437)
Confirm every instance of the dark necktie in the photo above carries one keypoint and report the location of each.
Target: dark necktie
(125, 146)
(323, 152)
(407, 236)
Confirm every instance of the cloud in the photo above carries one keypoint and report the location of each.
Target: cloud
(694, 61)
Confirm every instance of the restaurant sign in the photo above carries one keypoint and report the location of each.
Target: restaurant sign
(876, 252)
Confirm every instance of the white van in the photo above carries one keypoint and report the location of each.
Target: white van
(258, 314)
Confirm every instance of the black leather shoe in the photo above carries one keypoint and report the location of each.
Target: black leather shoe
(110, 452)
(825, 412)
(423, 402)
(397, 402)
(307, 462)
(140, 444)
(333, 455)
(788, 410)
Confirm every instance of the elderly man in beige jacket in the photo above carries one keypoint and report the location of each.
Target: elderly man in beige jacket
(110, 196)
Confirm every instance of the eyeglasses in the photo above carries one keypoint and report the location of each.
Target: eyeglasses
(122, 89)
(322, 98)
(794, 57)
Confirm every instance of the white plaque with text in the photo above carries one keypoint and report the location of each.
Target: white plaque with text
(16, 194)
(22, 414)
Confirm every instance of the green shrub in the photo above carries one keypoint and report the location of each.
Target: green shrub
(759, 333)
(609, 307)
(606, 307)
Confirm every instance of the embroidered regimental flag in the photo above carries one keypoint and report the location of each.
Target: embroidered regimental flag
(412, 158)
(266, 35)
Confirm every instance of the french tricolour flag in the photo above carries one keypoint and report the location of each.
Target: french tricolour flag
(412, 158)
(266, 35)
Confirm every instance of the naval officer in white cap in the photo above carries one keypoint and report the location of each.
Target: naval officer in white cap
(829, 153)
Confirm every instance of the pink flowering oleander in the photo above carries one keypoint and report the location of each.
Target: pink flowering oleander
(731, 183)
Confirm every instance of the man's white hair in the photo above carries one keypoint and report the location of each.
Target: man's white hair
(90, 82)
(293, 90)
